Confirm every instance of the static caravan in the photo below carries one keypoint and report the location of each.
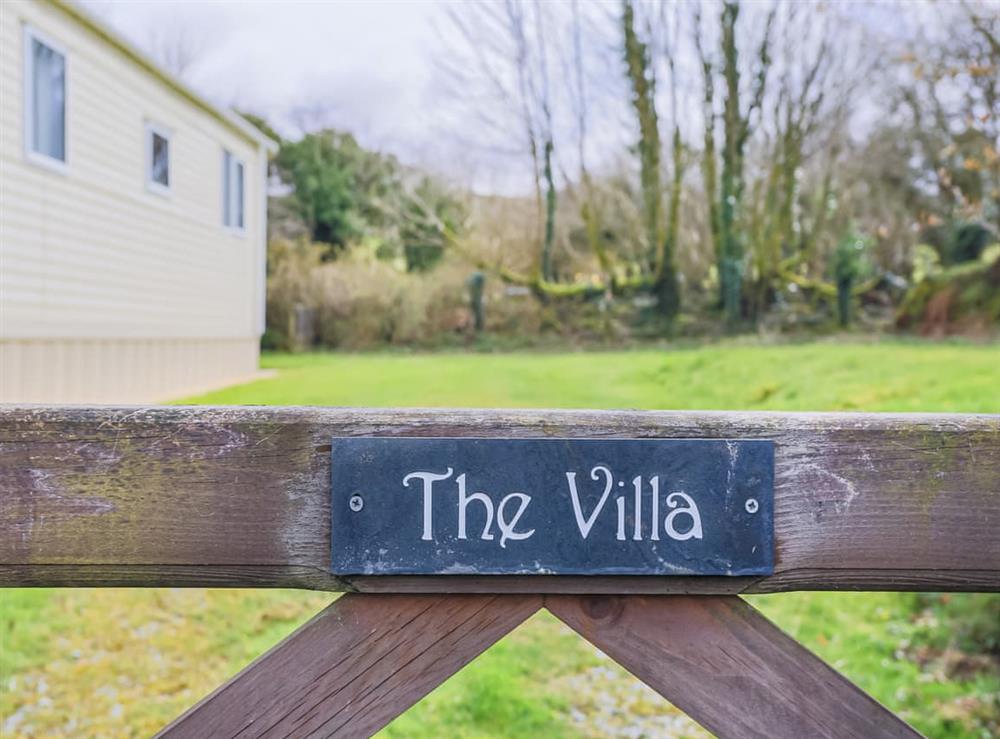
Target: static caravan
(132, 220)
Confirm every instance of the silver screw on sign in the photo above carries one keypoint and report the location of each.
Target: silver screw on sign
(752, 505)
(356, 503)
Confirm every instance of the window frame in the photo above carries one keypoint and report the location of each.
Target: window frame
(149, 130)
(230, 164)
(27, 100)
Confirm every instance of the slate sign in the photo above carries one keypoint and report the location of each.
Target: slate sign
(440, 506)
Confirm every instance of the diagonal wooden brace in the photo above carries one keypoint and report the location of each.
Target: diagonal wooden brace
(367, 658)
(356, 666)
(726, 666)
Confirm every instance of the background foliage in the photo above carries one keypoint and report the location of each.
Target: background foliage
(788, 167)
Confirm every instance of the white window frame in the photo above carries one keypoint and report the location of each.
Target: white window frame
(56, 165)
(163, 132)
(229, 177)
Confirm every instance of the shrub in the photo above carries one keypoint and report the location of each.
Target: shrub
(359, 301)
(962, 298)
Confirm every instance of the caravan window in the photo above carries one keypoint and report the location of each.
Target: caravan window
(45, 99)
(233, 191)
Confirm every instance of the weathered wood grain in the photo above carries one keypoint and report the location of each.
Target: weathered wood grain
(240, 496)
(727, 667)
(356, 666)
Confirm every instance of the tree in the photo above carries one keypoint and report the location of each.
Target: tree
(341, 190)
(498, 61)
(789, 203)
(736, 129)
(659, 259)
(668, 288)
(430, 218)
(642, 81)
(951, 107)
(321, 167)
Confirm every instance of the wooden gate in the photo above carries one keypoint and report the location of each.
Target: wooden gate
(240, 497)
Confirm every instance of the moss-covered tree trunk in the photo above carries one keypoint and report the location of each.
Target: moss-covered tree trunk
(709, 166)
(730, 249)
(659, 257)
(550, 214)
(731, 246)
(668, 291)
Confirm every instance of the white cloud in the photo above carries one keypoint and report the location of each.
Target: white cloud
(366, 65)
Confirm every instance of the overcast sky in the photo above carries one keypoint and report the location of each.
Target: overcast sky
(372, 67)
(366, 67)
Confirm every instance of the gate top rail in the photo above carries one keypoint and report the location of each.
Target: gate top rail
(239, 496)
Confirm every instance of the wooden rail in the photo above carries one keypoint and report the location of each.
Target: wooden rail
(239, 497)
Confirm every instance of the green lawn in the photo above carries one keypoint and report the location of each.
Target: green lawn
(892, 376)
(81, 663)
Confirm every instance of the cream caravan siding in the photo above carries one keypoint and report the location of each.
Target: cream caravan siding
(121, 370)
(91, 254)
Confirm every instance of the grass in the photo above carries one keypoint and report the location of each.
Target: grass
(892, 376)
(122, 662)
